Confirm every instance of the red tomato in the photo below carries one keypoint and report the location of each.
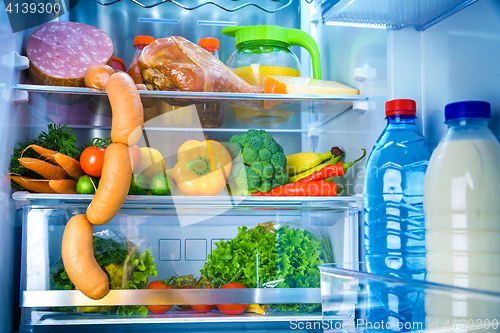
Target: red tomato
(91, 161)
(232, 309)
(136, 156)
(158, 309)
(203, 308)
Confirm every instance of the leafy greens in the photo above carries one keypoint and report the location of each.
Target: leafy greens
(285, 258)
(125, 267)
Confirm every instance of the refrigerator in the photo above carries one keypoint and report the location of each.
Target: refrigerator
(432, 51)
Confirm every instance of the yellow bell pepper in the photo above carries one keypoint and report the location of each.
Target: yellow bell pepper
(202, 167)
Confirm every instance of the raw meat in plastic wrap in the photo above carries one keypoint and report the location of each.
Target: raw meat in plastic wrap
(176, 64)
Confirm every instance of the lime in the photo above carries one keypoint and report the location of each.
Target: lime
(159, 185)
(86, 185)
(138, 185)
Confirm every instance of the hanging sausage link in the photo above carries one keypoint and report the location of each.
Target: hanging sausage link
(126, 128)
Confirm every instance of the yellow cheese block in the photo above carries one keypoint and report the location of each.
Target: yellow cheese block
(305, 85)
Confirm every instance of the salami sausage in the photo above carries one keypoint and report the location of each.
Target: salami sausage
(60, 52)
(127, 109)
(96, 76)
(113, 186)
(78, 258)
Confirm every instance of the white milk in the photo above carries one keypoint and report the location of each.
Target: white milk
(462, 207)
(462, 187)
(462, 219)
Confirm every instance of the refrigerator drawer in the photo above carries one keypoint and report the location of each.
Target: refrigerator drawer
(273, 246)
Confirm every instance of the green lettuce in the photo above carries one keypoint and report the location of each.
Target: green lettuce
(286, 258)
(125, 267)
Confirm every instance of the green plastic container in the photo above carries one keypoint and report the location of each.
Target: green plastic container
(266, 49)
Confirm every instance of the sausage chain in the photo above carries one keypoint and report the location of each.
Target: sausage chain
(126, 128)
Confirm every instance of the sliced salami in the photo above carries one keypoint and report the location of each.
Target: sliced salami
(61, 52)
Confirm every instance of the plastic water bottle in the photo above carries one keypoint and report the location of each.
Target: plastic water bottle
(394, 219)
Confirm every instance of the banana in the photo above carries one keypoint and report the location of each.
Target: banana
(334, 160)
(300, 162)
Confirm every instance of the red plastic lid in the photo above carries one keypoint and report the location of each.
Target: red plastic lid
(209, 42)
(400, 106)
(143, 40)
(120, 66)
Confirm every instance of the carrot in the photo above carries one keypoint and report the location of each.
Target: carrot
(44, 152)
(30, 184)
(63, 186)
(70, 165)
(44, 169)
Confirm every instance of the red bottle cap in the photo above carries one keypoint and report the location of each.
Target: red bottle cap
(209, 42)
(118, 64)
(400, 106)
(143, 40)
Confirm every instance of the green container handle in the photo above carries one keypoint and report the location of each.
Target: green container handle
(268, 32)
(301, 38)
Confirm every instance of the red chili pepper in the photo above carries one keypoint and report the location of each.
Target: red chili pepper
(330, 170)
(309, 189)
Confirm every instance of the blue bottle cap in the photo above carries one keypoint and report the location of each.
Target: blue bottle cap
(467, 109)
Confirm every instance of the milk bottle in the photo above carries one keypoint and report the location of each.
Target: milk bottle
(462, 210)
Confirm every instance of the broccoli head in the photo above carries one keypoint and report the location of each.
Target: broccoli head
(278, 160)
(267, 171)
(265, 155)
(282, 178)
(265, 186)
(262, 163)
(250, 155)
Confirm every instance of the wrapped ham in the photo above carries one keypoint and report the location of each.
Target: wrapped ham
(61, 52)
(174, 64)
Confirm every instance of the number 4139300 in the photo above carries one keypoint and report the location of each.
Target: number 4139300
(33, 8)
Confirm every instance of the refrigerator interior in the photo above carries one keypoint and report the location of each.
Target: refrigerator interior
(452, 60)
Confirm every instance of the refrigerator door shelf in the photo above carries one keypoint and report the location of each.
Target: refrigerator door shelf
(390, 14)
(357, 299)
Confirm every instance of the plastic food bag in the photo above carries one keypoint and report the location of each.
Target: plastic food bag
(174, 63)
(271, 256)
(121, 260)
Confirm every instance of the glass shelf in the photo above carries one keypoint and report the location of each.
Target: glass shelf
(203, 201)
(280, 102)
(174, 316)
(86, 108)
(390, 14)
